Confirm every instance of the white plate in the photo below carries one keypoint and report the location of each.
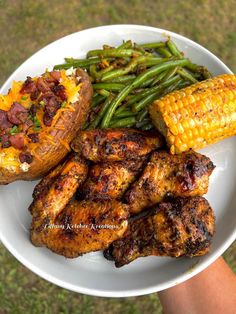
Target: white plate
(92, 274)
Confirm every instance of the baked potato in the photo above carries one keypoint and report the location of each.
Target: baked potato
(38, 120)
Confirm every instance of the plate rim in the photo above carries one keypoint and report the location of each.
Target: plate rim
(137, 291)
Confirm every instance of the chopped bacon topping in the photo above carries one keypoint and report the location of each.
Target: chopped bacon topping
(29, 86)
(5, 141)
(34, 137)
(17, 140)
(17, 114)
(60, 91)
(4, 122)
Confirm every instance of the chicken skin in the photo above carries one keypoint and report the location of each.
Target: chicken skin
(180, 227)
(115, 144)
(86, 226)
(186, 174)
(78, 227)
(111, 179)
(50, 199)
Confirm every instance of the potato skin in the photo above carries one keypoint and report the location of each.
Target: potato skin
(49, 155)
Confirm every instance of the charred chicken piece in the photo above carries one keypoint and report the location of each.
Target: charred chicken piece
(186, 174)
(55, 196)
(115, 144)
(87, 226)
(182, 227)
(111, 179)
(44, 185)
(77, 228)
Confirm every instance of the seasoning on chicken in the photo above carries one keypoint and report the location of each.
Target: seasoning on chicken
(198, 115)
(86, 226)
(186, 174)
(79, 227)
(181, 227)
(55, 195)
(115, 144)
(111, 179)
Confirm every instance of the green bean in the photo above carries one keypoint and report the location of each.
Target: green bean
(103, 92)
(123, 114)
(192, 66)
(119, 72)
(146, 60)
(142, 114)
(155, 60)
(153, 45)
(140, 48)
(123, 79)
(107, 69)
(147, 82)
(126, 45)
(145, 101)
(148, 126)
(159, 78)
(76, 64)
(108, 86)
(173, 49)
(172, 87)
(183, 84)
(97, 100)
(130, 121)
(203, 71)
(154, 89)
(164, 52)
(101, 112)
(186, 75)
(143, 122)
(137, 82)
(119, 53)
(170, 73)
(121, 109)
(93, 72)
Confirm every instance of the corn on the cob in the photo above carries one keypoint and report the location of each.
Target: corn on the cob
(198, 115)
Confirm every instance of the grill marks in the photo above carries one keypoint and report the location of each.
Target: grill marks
(115, 144)
(181, 227)
(110, 180)
(186, 174)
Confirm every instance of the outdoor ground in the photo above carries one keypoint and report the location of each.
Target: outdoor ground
(25, 27)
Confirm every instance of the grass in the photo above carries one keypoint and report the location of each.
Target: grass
(29, 25)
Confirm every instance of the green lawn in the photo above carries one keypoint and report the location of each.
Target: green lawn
(28, 25)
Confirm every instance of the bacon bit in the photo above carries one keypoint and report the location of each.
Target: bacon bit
(60, 91)
(35, 94)
(26, 157)
(42, 85)
(47, 119)
(4, 123)
(29, 86)
(5, 141)
(33, 110)
(34, 137)
(56, 75)
(17, 140)
(17, 114)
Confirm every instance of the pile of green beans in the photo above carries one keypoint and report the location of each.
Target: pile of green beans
(128, 78)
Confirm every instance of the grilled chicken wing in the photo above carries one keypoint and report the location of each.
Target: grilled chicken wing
(86, 226)
(79, 227)
(182, 227)
(110, 180)
(54, 197)
(115, 144)
(186, 174)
